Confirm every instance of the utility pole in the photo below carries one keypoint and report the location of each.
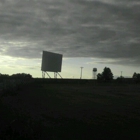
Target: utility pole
(121, 73)
(81, 73)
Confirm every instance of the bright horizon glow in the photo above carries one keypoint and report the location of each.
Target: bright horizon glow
(71, 67)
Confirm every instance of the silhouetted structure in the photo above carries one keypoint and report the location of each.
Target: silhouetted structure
(81, 73)
(51, 62)
(94, 73)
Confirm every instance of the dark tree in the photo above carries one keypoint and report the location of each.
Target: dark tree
(21, 76)
(136, 77)
(99, 77)
(3, 77)
(106, 75)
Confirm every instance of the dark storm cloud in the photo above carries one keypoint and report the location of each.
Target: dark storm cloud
(76, 28)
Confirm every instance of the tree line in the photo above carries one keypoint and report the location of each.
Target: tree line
(15, 76)
(107, 75)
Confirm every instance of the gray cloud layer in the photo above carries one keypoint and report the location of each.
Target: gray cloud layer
(76, 28)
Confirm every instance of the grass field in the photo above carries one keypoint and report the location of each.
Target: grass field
(72, 111)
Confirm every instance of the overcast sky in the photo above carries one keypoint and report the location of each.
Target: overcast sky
(98, 29)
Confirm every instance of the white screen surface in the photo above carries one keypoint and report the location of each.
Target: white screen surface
(51, 62)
